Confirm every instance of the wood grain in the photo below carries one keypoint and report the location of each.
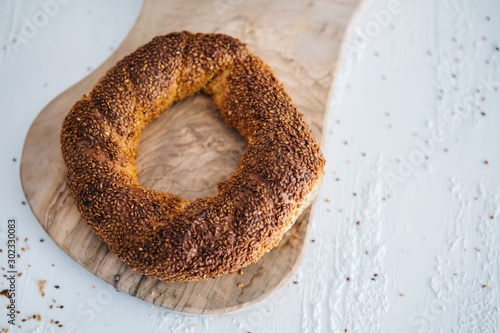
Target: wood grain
(189, 149)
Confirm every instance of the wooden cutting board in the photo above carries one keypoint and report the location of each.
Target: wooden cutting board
(189, 149)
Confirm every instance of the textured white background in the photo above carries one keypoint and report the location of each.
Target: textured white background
(413, 119)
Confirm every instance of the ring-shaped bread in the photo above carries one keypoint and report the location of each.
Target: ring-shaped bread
(162, 235)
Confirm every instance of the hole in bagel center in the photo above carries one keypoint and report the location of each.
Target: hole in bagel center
(188, 149)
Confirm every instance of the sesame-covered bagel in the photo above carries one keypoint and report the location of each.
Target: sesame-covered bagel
(163, 235)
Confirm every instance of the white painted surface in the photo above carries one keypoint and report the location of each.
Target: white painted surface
(414, 83)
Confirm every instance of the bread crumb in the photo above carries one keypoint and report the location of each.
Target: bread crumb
(41, 285)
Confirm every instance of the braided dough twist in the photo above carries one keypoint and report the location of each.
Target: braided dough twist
(162, 235)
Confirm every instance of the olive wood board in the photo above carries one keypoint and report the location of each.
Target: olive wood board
(189, 149)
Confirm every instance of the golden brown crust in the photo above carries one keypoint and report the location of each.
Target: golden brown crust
(162, 235)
